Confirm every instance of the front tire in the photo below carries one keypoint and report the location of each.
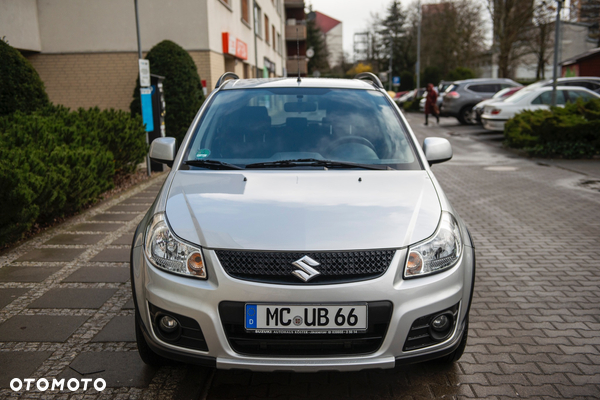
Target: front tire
(147, 355)
(457, 354)
(465, 116)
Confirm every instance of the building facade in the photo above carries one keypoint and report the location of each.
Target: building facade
(86, 51)
(334, 36)
(295, 38)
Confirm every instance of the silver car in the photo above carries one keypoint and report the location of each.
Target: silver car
(301, 228)
(461, 96)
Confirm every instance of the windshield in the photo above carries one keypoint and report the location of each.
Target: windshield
(501, 93)
(252, 126)
(515, 98)
(451, 88)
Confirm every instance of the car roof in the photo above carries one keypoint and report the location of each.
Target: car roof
(577, 78)
(484, 80)
(292, 82)
(559, 87)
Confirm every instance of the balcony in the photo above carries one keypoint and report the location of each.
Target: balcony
(295, 32)
(294, 62)
(294, 3)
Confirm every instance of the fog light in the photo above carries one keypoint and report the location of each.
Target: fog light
(168, 324)
(440, 323)
(441, 326)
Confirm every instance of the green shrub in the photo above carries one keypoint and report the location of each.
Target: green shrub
(460, 73)
(21, 88)
(54, 162)
(572, 131)
(182, 87)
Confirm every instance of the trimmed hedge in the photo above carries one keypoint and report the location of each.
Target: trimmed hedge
(572, 131)
(182, 87)
(53, 162)
(21, 88)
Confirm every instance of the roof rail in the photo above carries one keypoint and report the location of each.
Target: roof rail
(371, 76)
(224, 77)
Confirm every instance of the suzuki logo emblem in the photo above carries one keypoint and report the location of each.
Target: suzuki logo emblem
(306, 272)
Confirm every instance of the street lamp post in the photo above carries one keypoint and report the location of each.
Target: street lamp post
(419, 48)
(556, 50)
(139, 45)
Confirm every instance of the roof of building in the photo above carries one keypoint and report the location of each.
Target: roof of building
(581, 56)
(325, 22)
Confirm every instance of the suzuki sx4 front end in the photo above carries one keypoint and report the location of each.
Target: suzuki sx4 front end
(301, 228)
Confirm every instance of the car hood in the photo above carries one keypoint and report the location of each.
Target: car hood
(303, 210)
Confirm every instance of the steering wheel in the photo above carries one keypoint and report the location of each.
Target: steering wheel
(349, 139)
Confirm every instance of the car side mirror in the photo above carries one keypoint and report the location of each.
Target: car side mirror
(163, 150)
(437, 150)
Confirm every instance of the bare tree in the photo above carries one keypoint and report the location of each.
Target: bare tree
(512, 20)
(540, 38)
(452, 35)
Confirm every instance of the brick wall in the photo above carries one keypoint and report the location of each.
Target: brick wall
(210, 66)
(106, 80)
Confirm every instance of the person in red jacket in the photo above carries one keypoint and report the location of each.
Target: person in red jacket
(431, 104)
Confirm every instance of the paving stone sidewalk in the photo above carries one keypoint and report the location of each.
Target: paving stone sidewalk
(66, 307)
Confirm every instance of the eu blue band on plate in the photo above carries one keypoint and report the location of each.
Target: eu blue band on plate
(251, 316)
(146, 96)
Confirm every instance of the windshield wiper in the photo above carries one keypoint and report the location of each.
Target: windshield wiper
(315, 162)
(211, 164)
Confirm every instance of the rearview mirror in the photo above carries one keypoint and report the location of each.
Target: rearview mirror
(163, 150)
(437, 150)
(305, 106)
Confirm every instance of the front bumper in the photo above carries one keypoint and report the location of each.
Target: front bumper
(200, 300)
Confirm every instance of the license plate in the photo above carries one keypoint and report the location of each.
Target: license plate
(294, 318)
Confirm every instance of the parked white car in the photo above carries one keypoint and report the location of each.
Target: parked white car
(495, 115)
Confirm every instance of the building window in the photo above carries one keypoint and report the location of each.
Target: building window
(278, 43)
(273, 37)
(266, 28)
(257, 20)
(245, 11)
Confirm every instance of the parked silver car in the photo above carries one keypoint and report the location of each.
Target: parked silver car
(461, 96)
(301, 228)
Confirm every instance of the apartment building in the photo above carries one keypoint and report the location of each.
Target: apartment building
(295, 38)
(86, 51)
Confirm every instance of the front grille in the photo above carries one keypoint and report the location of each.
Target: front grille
(276, 267)
(301, 345)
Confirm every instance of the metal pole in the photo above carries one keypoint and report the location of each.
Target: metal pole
(419, 49)
(256, 22)
(556, 50)
(390, 72)
(139, 43)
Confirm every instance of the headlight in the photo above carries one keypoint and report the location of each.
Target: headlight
(438, 253)
(167, 252)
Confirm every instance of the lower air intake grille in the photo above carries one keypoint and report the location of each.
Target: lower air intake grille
(276, 267)
(300, 345)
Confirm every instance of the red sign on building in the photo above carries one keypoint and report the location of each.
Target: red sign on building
(234, 46)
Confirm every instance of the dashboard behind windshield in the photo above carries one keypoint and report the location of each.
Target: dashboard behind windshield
(261, 125)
